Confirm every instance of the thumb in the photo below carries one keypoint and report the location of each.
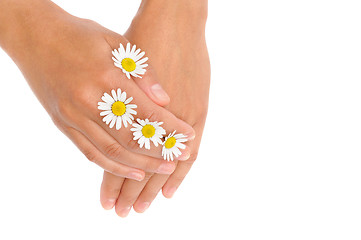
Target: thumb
(152, 88)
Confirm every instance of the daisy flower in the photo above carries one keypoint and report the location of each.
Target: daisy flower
(147, 131)
(172, 144)
(130, 60)
(116, 109)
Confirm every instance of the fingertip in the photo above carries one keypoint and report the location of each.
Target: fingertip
(108, 204)
(160, 95)
(185, 155)
(169, 192)
(141, 207)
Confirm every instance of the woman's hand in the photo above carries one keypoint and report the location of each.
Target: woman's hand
(68, 63)
(173, 37)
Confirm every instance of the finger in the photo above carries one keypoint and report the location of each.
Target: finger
(146, 109)
(149, 192)
(116, 152)
(110, 189)
(95, 156)
(129, 194)
(175, 180)
(149, 84)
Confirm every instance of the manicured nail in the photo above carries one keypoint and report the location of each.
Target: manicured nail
(171, 192)
(109, 204)
(136, 176)
(159, 92)
(124, 212)
(166, 168)
(144, 206)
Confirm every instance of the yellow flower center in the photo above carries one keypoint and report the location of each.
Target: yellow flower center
(118, 108)
(170, 142)
(148, 131)
(128, 64)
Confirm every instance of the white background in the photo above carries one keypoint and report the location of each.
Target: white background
(280, 158)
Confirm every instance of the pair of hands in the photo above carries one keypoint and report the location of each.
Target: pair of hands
(71, 67)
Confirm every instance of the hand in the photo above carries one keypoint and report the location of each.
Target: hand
(68, 63)
(176, 48)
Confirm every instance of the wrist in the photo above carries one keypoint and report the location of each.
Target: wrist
(192, 13)
(25, 23)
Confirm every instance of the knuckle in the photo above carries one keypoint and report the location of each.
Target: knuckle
(192, 158)
(113, 151)
(153, 116)
(115, 171)
(64, 110)
(147, 177)
(132, 145)
(90, 155)
(83, 97)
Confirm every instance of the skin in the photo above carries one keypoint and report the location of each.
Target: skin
(173, 36)
(67, 63)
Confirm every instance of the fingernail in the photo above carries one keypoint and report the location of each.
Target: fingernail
(192, 137)
(136, 176)
(171, 192)
(109, 204)
(166, 168)
(124, 212)
(159, 92)
(184, 156)
(144, 206)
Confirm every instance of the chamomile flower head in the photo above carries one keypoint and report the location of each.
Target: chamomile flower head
(145, 131)
(130, 60)
(117, 109)
(172, 144)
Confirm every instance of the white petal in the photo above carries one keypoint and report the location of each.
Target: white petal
(140, 55)
(133, 49)
(128, 75)
(119, 93)
(129, 119)
(177, 152)
(114, 94)
(107, 108)
(118, 65)
(131, 106)
(115, 59)
(111, 117)
(112, 123)
(108, 98)
(135, 75)
(119, 123)
(180, 145)
(125, 122)
(127, 51)
(123, 96)
(121, 50)
(171, 156)
(141, 61)
(179, 135)
(147, 143)
(105, 113)
(128, 100)
(137, 52)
